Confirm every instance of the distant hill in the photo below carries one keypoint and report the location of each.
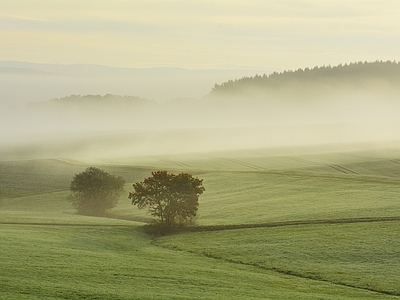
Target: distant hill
(362, 94)
(93, 112)
(364, 75)
(93, 101)
(24, 82)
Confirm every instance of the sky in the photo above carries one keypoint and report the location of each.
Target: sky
(200, 34)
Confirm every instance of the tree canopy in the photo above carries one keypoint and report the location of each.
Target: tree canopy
(95, 191)
(172, 198)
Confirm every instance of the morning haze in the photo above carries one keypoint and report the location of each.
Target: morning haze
(201, 149)
(349, 103)
(176, 52)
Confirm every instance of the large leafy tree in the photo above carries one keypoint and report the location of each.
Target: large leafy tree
(172, 198)
(95, 191)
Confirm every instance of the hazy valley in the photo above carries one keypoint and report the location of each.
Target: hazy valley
(301, 174)
(344, 104)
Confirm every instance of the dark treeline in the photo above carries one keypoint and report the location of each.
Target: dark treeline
(347, 73)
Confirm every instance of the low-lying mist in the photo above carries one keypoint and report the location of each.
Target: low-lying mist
(291, 114)
(113, 144)
(193, 126)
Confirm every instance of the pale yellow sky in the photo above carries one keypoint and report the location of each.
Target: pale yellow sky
(251, 34)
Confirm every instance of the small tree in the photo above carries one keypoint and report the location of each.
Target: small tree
(172, 198)
(95, 191)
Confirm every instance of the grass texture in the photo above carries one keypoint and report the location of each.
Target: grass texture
(305, 223)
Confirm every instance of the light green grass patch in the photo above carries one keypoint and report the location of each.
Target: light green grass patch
(363, 255)
(257, 197)
(111, 258)
(68, 262)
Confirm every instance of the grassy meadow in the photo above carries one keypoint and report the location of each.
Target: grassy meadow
(278, 223)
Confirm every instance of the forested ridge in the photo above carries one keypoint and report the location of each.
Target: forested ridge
(359, 72)
(316, 82)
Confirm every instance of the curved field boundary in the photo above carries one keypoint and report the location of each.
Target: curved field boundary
(294, 223)
(342, 169)
(396, 161)
(242, 163)
(336, 167)
(289, 223)
(338, 176)
(291, 273)
(227, 227)
(65, 224)
(302, 160)
(177, 163)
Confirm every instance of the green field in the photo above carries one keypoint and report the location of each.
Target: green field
(288, 223)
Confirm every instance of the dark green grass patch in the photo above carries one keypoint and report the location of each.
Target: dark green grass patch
(22, 178)
(53, 208)
(32, 177)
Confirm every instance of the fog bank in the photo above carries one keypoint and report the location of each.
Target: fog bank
(347, 109)
(22, 82)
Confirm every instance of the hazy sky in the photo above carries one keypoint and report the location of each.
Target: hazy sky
(251, 34)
